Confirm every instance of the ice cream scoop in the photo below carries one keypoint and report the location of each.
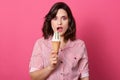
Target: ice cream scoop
(56, 41)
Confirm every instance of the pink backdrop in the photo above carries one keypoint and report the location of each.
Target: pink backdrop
(98, 24)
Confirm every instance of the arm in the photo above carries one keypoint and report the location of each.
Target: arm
(44, 73)
(84, 65)
(41, 74)
(37, 69)
(85, 78)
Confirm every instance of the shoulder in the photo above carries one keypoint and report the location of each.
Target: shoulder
(43, 42)
(78, 42)
(39, 41)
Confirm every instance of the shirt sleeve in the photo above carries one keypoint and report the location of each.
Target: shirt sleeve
(36, 61)
(84, 63)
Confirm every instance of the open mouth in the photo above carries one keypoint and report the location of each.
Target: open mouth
(59, 29)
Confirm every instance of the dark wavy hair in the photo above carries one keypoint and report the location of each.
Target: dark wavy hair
(47, 29)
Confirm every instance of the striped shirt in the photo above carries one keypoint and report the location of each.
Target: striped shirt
(73, 59)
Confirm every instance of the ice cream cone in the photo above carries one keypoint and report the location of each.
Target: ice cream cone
(55, 46)
(56, 42)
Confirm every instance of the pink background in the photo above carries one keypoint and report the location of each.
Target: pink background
(98, 24)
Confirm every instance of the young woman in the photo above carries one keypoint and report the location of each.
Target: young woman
(71, 62)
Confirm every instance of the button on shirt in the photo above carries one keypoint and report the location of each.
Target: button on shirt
(72, 64)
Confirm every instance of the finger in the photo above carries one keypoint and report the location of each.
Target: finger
(54, 52)
(54, 62)
(54, 55)
(54, 59)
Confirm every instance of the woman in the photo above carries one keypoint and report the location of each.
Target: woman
(71, 62)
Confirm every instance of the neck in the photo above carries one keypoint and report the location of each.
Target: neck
(63, 42)
(62, 38)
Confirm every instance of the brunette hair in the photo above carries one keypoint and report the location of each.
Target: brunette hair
(47, 29)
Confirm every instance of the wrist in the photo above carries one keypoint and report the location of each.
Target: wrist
(50, 68)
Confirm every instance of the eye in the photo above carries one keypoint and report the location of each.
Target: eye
(64, 17)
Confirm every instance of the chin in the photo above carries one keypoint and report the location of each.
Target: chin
(61, 34)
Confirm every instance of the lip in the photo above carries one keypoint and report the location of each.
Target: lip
(59, 28)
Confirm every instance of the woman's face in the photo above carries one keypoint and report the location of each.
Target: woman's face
(60, 22)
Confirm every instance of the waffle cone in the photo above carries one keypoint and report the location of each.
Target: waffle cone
(56, 45)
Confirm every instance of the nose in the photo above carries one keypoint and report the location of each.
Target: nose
(59, 22)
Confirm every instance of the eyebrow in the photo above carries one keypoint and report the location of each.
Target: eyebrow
(63, 16)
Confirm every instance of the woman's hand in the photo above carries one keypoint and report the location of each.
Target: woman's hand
(53, 60)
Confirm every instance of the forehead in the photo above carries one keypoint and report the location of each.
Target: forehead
(61, 12)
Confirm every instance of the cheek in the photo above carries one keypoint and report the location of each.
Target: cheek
(53, 25)
(66, 27)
